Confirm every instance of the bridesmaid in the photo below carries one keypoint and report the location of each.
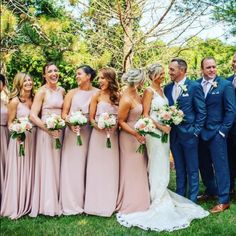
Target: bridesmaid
(133, 189)
(16, 200)
(72, 177)
(4, 134)
(48, 100)
(103, 163)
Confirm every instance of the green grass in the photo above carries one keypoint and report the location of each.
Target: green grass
(218, 224)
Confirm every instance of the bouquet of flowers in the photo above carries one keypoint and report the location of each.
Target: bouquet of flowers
(169, 115)
(145, 126)
(108, 121)
(17, 131)
(77, 118)
(55, 122)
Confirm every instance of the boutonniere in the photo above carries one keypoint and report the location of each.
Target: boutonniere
(184, 88)
(214, 84)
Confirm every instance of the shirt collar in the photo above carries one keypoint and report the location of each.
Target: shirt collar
(205, 81)
(181, 82)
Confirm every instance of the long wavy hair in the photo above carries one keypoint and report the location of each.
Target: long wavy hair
(110, 75)
(18, 85)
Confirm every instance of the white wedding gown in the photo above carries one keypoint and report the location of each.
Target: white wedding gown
(168, 211)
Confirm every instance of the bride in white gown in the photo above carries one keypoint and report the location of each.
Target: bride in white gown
(168, 211)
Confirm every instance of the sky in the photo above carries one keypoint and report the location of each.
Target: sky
(212, 29)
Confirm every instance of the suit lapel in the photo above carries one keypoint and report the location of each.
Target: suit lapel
(211, 88)
(186, 82)
(169, 94)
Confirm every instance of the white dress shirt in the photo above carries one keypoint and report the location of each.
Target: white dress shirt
(177, 89)
(206, 84)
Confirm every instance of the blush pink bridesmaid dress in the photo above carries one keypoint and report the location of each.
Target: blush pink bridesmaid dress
(73, 163)
(48, 159)
(4, 138)
(102, 177)
(18, 183)
(133, 188)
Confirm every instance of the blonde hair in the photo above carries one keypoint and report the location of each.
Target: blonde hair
(133, 76)
(154, 70)
(18, 84)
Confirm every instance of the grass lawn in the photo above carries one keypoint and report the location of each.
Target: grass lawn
(218, 224)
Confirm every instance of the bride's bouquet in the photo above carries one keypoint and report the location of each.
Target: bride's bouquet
(17, 131)
(145, 126)
(77, 118)
(107, 121)
(55, 122)
(169, 115)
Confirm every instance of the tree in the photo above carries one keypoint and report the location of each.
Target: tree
(225, 11)
(36, 31)
(125, 26)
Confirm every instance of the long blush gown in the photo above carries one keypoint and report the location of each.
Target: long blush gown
(4, 137)
(168, 211)
(47, 164)
(73, 163)
(18, 183)
(133, 188)
(102, 177)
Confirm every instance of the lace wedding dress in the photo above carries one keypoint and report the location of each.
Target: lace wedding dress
(168, 211)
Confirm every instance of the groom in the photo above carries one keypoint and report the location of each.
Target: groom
(189, 96)
(221, 110)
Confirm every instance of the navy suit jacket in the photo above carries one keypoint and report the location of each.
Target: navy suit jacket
(221, 108)
(233, 129)
(192, 103)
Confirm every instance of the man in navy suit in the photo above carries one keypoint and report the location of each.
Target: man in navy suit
(232, 136)
(189, 96)
(221, 111)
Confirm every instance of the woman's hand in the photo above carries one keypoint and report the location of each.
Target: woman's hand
(55, 133)
(111, 130)
(141, 139)
(166, 129)
(75, 128)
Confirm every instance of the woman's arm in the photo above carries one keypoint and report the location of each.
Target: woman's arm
(12, 108)
(123, 112)
(147, 99)
(67, 104)
(36, 108)
(93, 109)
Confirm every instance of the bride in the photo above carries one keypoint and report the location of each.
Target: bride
(168, 211)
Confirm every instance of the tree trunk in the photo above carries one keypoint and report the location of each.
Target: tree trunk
(128, 37)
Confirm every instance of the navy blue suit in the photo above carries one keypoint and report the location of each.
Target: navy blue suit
(213, 160)
(232, 148)
(184, 137)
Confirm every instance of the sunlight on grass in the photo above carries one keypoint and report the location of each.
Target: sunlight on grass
(84, 225)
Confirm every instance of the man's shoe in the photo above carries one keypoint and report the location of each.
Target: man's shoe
(219, 208)
(206, 197)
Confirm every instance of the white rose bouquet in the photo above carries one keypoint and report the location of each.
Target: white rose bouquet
(107, 121)
(169, 115)
(145, 126)
(77, 118)
(55, 122)
(17, 131)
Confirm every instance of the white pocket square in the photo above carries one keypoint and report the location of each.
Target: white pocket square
(185, 94)
(216, 92)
